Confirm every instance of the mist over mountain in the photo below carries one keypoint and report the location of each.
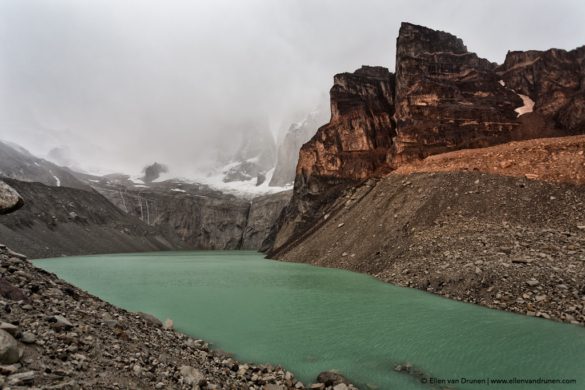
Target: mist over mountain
(123, 84)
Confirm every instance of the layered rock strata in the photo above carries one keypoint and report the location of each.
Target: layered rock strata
(442, 98)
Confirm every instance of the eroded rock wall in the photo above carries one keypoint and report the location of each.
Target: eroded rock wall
(442, 98)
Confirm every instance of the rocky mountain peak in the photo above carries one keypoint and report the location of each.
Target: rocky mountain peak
(414, 40)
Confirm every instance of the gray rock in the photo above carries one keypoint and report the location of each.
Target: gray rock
(22, 378)
(341, 386)
(10, 369)
(9, 352)
(12, 329)
(191, 375)
(10, 200)
(168, 324)
(331, 378)
(151, 319)
(58, 322)
(272, 386)
(532, 282)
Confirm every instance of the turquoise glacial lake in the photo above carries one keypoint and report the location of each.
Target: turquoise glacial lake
(310, 319)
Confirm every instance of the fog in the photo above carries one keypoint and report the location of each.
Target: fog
(114, 85)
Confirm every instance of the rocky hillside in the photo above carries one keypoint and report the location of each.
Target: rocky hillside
(470, 227)
(18, 163)
(442, 98)
(56, 221)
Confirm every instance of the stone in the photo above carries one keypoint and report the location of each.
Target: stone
(58, 322)
(317, 386)
(12, 329)
(21, 378)
(10, 369)
(150, 319)
(271, 386)
(168, 324)
(9, 291)
(341, 386)
(331, 378)
(532, 282)
(9, 352)
(191, 375)
(10, 200)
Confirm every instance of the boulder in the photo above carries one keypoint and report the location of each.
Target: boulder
(9, 352)
(8, 327)
(10, 200)
(331, 378)
(150, 319)
(191, 375)
(58, 322)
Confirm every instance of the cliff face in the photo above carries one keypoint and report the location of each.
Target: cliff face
(354, 144)
(351, 147)
(554, 80)
(262, 214)
(447, 98)
(203, 218)
(442, 98)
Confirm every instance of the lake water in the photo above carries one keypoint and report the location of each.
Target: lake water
(311, 319)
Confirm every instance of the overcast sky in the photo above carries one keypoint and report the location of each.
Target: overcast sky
(124, 83)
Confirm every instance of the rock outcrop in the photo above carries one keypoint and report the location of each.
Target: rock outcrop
(555, 80)
(442, 98)
(446, 97)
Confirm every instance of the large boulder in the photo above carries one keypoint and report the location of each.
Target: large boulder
(10, 200)
(9, 353)
(331, 378)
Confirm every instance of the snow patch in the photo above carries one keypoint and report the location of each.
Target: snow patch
(502, 83)
(528, 105)
(57, 180)
(245, 189)
(177, 190)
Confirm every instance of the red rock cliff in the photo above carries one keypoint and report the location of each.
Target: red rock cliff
(442, 98)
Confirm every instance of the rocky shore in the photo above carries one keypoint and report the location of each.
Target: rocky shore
(56, 336)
